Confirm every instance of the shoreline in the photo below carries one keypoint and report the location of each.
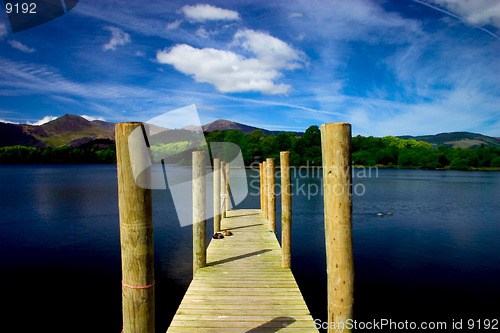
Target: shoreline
(356, 166)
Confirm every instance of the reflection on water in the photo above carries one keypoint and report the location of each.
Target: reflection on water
(436, 257)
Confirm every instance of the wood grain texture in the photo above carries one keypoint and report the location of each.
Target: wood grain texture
(336, 150)
(223, 190)
(136, 230)
(261, 174)
(199, 211)
(271, 194)
(216, 186)
(228, 201)
(264, 179)
(244, 287)
(286, 209)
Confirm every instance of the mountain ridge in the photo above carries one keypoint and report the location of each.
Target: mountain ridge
(456, 139)
(74, 131)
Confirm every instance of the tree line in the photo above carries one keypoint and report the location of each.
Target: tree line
(388, 151)
(394, 152)
(61, 155)
(305, 150)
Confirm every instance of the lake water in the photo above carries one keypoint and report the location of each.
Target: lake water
(436, 258)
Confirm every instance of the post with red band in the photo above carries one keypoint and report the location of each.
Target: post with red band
(136, 229)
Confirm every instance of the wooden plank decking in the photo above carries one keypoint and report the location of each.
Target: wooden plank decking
(243, 288)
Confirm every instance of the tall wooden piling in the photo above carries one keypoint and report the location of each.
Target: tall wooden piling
(271, 194)
(264, 178)
(336, 149)
(222, 190)
(216, 195)
(261, 186)
(136, 231)
(286, 209)
(199, 212)
(228, 202)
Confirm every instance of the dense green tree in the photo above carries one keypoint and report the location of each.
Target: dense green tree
(459, 164)
(495, 162)
(312, 136)
(285, 141)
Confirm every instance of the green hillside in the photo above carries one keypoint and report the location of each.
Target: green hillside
(456, 140)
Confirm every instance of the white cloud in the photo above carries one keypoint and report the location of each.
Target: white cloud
(20, 46)
(268, 49)
(479, 12)
(173, 25)
(91, 118)
(226, 70)
(118, 38)
(7, 122)
(202, 13)
(202, 32)
(232, 72)
(42, 121)
(3, 30)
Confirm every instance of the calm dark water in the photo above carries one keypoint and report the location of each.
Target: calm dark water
(436, 258)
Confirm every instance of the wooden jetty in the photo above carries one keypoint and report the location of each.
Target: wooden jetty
(242, 282)
(243, 288)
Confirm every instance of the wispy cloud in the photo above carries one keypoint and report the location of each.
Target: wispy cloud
(42, 121)
(20, 46)
(202, 32)
(118, 38)
(28, 79)
(295, 15)
(92, 118)
(140, 54)
(203, 12)
(3, 30)
(7, 121)
(475, 13)
(173, 25)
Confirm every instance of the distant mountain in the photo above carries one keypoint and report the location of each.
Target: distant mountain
(456, 140)
(76, 131)
(16, 134)
(228, 125)
(66, 130)
(104, 124)
(193, 128)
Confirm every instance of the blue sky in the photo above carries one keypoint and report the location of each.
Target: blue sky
(387, 67)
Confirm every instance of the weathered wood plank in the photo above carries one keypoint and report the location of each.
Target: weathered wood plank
(243, 312)
(239, 330)
(261, 307)
(243, 287)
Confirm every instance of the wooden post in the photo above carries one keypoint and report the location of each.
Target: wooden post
(264, 176)
(199, 212)
(336, 149)
(286, 209)
(216, 195)
(271, 195)
(261, 186)
(228, 202)
(223, 190)
(136, 232)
